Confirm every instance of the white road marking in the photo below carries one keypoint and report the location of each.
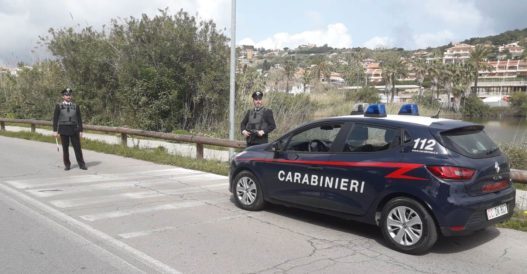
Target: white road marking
(142, 257)
(143, 233)
(85, 179)
(128, 212)
(81, 188)
(77, 202)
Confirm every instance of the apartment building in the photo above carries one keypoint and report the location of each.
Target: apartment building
(514, 49)
(459, 53)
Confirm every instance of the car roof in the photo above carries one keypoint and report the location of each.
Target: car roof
(412, 119)
(405, 120)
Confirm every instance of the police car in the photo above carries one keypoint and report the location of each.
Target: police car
(412, 176)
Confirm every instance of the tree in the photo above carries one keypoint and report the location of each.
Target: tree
(321, 69)
(289, 72)
(393, 68)
(518, 101)
(434, 70)
(266, 66)
(307, 77)
(158, 73)
(354, 73)
(462, 79)
(420, 69)
(477, 56)
(447, 78)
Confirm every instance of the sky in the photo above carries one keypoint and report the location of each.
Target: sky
(273, 24)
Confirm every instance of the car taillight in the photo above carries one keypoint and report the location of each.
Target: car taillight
(493, 187)
(452, 172)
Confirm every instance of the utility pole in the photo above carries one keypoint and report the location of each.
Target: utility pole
(232, 75)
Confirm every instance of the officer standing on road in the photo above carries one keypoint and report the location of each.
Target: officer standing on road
(67, 123)
(258, 122)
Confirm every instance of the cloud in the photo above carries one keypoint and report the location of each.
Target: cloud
(455, 13)
(425, 40)
(334, 35)
(23, 21)
(379, 42)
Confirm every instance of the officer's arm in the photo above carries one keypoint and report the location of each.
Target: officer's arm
(243, 124)
(269, 118)
(79, 118)
(56, 114)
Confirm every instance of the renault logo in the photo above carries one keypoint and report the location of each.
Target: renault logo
(497, 167)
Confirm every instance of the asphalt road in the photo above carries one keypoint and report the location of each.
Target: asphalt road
(125, 215)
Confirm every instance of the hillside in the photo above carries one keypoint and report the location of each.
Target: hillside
(501, 39)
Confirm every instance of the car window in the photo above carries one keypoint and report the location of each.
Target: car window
(470, 143)
(368, 138)
(316, 139)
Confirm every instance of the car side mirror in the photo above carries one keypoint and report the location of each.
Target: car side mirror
(276, 147)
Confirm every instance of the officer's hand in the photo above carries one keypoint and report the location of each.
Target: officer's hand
(261, 132)
(246, 133)
(55, 134)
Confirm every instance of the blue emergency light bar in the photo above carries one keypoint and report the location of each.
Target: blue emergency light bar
(409, 109)
(375, 110)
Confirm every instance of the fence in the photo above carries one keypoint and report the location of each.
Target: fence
(200, 141)
(519, 176)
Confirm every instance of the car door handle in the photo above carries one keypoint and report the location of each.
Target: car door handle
(314, 168)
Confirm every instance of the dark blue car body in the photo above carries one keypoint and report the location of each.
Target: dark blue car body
(460, 182)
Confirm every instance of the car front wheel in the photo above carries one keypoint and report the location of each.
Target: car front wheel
(248, 192)
(407, 226)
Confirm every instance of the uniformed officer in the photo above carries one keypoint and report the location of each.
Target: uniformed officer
(67, 123)
(258, 122)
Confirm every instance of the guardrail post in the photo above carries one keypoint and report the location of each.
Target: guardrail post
(33, 128)
(124, 139)
(2, 125)
(199, 151)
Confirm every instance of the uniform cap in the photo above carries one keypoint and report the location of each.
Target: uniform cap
(67, 91)
(257, 95)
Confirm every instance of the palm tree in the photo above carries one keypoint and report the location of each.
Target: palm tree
(477, 56)
(434, 70)
(462, 78)
(289, 72)
(306, 78)
(419, 67)
(447, 78)
(321, 68)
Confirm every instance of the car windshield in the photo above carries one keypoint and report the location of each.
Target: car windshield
(470, 142)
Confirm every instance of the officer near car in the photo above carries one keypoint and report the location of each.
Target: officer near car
(67, 122)
(258, 122)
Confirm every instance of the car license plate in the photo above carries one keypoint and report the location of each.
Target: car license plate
(497, 211)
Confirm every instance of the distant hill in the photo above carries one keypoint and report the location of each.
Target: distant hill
(501, 39)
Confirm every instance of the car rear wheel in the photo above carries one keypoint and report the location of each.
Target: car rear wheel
(248, 192)
(407, 226)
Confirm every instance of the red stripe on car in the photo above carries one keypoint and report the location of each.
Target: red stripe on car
(399, 173)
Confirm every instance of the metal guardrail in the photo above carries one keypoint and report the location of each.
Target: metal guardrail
(519, 176)
(200, 141)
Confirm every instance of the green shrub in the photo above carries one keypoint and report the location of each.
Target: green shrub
(518, 103)
(364, 95)
(474, 107)
(517, 155)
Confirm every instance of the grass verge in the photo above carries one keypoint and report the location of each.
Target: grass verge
(517, 222)
(158, 155)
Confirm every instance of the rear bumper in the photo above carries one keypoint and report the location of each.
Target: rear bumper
(470, 215)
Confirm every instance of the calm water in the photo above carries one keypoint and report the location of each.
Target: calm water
(507, 130)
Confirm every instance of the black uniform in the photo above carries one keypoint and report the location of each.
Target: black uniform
(67, 121)
(258, 119)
